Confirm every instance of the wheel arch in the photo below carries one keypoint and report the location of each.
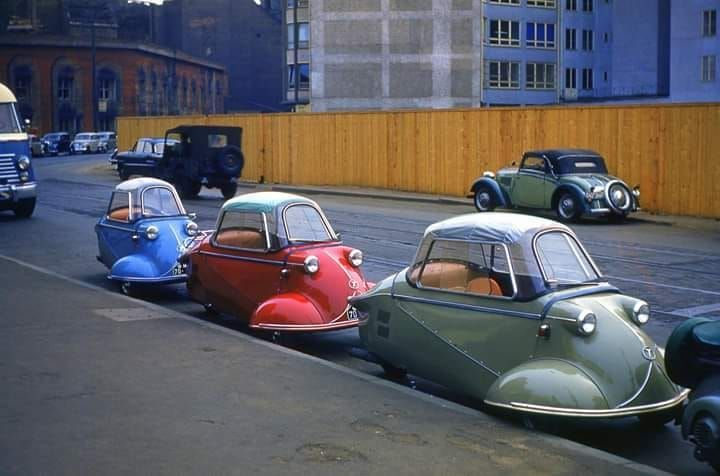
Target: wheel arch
(502, 199)
(573, 189)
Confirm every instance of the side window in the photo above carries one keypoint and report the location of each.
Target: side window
(304, 223)
(465, 267)
(217, 141)
(119, 209)
(534, 163)
(147, 147)
(244, 230)
(159, 202)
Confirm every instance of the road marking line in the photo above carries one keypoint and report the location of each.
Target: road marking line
(128, 314)
(696, 311)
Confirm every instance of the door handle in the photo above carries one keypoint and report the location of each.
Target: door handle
(134, 237)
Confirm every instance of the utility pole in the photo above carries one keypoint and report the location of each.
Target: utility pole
(94, 66)
(296, 66)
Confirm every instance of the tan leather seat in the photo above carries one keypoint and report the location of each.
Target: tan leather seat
(483, 285)
(120, 214)
(241, 238)
(458, 277)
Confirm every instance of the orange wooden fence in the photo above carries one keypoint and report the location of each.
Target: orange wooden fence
(672, 151)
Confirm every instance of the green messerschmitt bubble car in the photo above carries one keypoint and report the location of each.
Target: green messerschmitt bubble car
(512, 310)
(572, 182)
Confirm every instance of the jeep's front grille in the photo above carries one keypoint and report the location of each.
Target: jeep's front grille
(8, 172)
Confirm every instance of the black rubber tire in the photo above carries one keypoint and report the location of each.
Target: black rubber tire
(392, 372)
(183, 185)
(564, 210)
(123, 175)
(194, 189)
(484, 199)
(228, 190)
(25, 208)
(128, 288)
(615, 218)
(680, 355)
(230, 161)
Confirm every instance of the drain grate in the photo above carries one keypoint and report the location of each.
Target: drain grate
(127, 314)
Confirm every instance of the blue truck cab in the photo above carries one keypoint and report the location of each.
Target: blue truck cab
(18, 188)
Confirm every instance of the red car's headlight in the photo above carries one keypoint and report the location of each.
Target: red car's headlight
(355, 257)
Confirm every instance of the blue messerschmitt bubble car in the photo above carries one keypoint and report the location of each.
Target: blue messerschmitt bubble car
(143, 234)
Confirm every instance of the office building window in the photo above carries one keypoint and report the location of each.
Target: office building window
(503, 74)
(587, 78)
(540, 35)
(541, 3)
(540, 76)
(65, 86)
(587, 5)
(504, 32)
(570, 78)
(709, 27)
(571, 5)
(587, 40)
(708, 68)
(505, 2)
(570, 39)
(303, 70)
(303, 32)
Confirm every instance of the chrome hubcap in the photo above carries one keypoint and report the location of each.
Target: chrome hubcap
(567, 206)
(482, 200)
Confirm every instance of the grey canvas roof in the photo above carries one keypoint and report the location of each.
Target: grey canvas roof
(143, 182)
(490, 227)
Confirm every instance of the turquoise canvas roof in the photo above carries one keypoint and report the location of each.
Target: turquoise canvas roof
(263, 202)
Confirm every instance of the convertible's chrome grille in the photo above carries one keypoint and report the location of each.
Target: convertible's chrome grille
(8, 172)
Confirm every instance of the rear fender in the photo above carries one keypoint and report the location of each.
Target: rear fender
(134, 267)
(547, 383)
(575, 190)
(286, 309)
(499, 194)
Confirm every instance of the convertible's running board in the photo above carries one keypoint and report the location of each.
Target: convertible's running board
(584, 413)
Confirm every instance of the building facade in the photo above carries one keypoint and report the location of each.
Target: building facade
(387, 54)
(52, 79)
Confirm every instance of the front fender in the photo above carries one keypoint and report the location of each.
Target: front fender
(499, 194)
(545, 384)
(139, 268)
(289, 309)
(707, 404)
(575, 190)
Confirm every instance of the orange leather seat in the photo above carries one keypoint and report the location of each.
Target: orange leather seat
(120, 214)
(457, 277)
(241, 238)
(484, 285)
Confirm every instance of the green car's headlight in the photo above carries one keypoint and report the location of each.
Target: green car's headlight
(641, 313)
(586, 323)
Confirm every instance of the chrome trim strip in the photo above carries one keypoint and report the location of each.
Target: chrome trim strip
(642, 387)
(243, 258)
(597, 289)
(579, 412)
(468, 307)
(449, 343)
(305, 327)
(598, 211)
(162, 279)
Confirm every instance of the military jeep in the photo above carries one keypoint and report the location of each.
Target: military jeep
(194, 156)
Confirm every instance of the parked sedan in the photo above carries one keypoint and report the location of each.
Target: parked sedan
(143, 233)
(86, 143)
(511, 310)
(142, 159)
(573, 182)
(276, 263)
(107, 141)
(57, 142)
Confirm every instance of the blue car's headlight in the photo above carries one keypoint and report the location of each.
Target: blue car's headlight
(152, 232)
(191, 228)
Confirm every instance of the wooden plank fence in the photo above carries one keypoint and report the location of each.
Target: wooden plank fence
(672, 151)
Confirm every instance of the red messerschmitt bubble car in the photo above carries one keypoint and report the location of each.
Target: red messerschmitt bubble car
(275, 261)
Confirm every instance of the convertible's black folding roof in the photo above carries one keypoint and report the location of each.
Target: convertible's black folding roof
(554, 154)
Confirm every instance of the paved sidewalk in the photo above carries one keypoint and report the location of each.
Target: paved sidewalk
(707, 224)
(92, 382)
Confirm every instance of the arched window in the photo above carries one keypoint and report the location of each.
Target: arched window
(23, 82)
(107, 85)
(66, 84)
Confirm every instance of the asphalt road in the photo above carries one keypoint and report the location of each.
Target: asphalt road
(676, 270)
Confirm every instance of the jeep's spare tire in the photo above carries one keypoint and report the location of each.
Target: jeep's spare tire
(230, 161)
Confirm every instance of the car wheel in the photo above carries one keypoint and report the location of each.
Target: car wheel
(124, 175)
(210, 310)
(392, 372)
(128, 288)
(228, 190)
(567, 207)
(230, 161)
(25, 208)
(484, 200)
(615, 218)
(194, 189)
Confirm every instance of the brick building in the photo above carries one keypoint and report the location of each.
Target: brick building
(52, 79)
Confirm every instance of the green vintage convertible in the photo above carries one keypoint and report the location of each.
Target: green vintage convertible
(512, 310)
(573, 182)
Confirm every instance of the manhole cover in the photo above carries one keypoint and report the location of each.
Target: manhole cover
(125, 314)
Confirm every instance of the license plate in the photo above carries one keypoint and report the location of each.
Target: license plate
(353, 314)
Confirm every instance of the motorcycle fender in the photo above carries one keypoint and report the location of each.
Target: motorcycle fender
(550, 383)
(498, 193)
(286, 309)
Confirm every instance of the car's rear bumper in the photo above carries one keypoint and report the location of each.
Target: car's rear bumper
(586, 413)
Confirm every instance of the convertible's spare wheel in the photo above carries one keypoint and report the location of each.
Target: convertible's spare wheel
(230, 161)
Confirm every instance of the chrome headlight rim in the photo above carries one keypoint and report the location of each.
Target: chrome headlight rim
(191, 228)
(355, 258)
(489, 174)
(636, 191)
(586, 322)
(641, 313)
(23, 162)
(152, 232)
(311, 264)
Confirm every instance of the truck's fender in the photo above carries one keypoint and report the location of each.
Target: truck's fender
(575, 190)
(551, 383)
(291, 309)
(500, 196)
